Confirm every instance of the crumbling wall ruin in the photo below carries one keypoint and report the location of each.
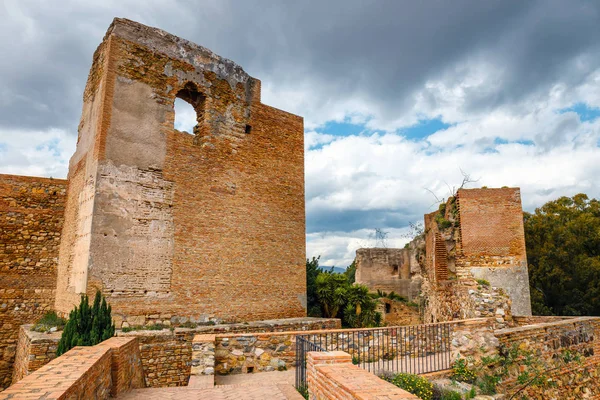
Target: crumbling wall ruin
(389, 270)
(176, 225)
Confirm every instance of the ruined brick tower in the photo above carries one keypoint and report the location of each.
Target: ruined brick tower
(179, 225)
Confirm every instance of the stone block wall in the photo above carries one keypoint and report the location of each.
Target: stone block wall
(34, 350)
(31, 219)
(170, 225)
(107, 369)
(203, 355)
(332, 376)
(552, 342)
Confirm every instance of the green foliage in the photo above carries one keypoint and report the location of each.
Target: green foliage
(303, 390)
(48, 321)
(414, 384)
(312, 301)
(483, 282)
(471, 394)
(360, 308)
(461, 371)
(392, 296)
(331, 292)
(563, 254)
(351, 272)
(87, 325)
(523, 364)
(445, 394)
(155, 327)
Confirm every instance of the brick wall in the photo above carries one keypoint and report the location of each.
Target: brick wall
(34, 350)
(331, 375)
(492, 227)
(202, 225)
(31, 218)
(107, 369)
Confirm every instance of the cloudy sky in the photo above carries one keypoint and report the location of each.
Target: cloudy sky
(397, 96)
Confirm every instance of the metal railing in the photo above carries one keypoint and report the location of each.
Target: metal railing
(416, 349)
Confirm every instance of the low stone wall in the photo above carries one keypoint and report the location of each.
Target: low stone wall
(555, 344)
(243, 353)
(474, 339)
(167, 355)
(99, 372)
(34, 350)
(331, 376)
(533, 320)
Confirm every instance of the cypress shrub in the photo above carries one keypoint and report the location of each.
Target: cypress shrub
(87, 325)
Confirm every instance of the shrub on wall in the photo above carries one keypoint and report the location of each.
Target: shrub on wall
(87, 325)
(414, 384)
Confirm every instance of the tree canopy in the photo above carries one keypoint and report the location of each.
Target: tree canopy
(563, 253)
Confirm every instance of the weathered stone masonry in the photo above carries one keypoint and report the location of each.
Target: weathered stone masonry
(31, 220)
(182, 226)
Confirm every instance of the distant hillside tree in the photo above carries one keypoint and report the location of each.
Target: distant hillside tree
(87, 325)
(312, 301)
(563, 253)
(351, 272)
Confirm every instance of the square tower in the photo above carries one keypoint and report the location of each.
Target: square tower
(185, 226)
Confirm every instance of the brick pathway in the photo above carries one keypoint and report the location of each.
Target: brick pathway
(244, 392)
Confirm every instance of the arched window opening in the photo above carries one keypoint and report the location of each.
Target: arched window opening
(395, 269)
(189, 109)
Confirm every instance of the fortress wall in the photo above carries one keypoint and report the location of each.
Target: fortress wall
(31, 218)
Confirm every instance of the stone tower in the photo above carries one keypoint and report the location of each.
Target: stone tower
(176, 225)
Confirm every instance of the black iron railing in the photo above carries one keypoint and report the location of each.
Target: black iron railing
(416, 349)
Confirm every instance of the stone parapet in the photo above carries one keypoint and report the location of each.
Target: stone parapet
(331, 375)
(107, 369)
(34, 350)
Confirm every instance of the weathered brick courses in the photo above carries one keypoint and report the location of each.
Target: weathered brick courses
(31, 219)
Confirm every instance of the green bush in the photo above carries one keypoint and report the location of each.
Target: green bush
(483, 282)
(49, 321)
(87, 325)
(414, 384)
(462, 372)
(446, 394)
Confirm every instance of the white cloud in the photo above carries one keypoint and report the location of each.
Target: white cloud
(36, 153)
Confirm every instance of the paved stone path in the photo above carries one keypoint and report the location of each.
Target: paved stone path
(244, 392)
(264, 385)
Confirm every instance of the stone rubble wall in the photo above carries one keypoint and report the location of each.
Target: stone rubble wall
(465, 299)
(550, 341)
(34, 350)
(31, 219)
(242, 353)
(399, 313)
(332, 376)
(106, 370)
(203, 355)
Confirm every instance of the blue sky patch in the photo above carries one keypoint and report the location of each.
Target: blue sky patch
(585, 112)
(424, 128)
(341, 128)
